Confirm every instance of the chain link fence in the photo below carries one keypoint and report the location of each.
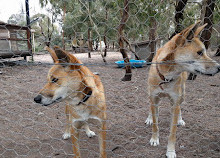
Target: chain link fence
(99, 33)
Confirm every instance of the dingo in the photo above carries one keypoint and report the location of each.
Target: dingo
(183, 53)
(68, 80)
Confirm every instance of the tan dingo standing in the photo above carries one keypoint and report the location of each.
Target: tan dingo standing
(183, 53)
(68, 80)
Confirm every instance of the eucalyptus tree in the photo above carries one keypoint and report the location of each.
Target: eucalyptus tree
(59, 7)
(17, 19)
(179, 12)
(150, 18)
(216, 19)
(45, 30)
(121, 41)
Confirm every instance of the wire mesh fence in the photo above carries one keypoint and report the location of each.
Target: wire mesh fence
(121, 119)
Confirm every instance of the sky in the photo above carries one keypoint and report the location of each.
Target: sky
(9, 7)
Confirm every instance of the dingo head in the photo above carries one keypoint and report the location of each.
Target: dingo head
(64, 80)
(189, 52)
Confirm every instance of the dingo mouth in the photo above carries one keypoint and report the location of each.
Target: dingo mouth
(55, 101)
(39, 99)
(207, 74)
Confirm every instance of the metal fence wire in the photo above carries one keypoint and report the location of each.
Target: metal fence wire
(53, 64)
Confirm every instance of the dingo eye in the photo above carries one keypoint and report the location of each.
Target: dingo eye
(200, 53)
(54, 80)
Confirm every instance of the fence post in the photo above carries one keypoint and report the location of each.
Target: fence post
(28, 30)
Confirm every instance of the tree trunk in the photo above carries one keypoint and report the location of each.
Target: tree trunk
(152, 38)
(89, 43)
(180, 5)
(64, 14)
(96, 45)
(29, 29)
(218, 51)
(202, 16)
(206, 34)
(50, 32)
(89, 31)
(105, 40)
(128, 73)
(113, 45)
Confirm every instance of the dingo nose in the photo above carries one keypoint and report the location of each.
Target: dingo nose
(37, 99)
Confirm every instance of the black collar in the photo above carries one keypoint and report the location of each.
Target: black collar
(85, 98)
(165, 80)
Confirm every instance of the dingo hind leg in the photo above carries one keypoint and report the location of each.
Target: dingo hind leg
(176, 116)
(102, 139)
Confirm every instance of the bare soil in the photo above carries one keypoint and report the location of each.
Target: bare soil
(30, 130)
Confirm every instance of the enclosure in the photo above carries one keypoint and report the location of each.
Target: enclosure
(13, 43)
(108, 30)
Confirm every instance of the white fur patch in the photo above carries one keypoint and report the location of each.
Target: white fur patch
(90, 133)
(154, 141)
(46, 100)
(149, 120)
(181, 122)
(171, 154)
(66, 135)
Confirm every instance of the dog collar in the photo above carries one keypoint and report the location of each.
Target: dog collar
(85, 98)
(162, 77)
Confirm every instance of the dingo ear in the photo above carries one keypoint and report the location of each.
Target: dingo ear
(89, 82)
(65, 57)
(52, 53)
(187, 34)
(169, 57)
(58, 55)
(168, 61)
(199, 30)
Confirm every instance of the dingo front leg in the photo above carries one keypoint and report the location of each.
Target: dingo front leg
(172, 137)
(75, 138)
(154, 141)
(67, 133)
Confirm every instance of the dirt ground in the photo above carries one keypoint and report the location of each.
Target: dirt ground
(30, 130)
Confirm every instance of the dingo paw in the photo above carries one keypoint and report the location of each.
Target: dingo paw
(66, 135)
(154, 141)
(171, 154)
(149, 120)
(181, 122)
(90, 134)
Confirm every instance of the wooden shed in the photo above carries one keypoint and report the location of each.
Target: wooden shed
(14, 41)
(142, 49)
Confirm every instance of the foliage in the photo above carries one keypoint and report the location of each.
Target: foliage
(102, 18)
(44, 29)
(39, 20)
(17, 19)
